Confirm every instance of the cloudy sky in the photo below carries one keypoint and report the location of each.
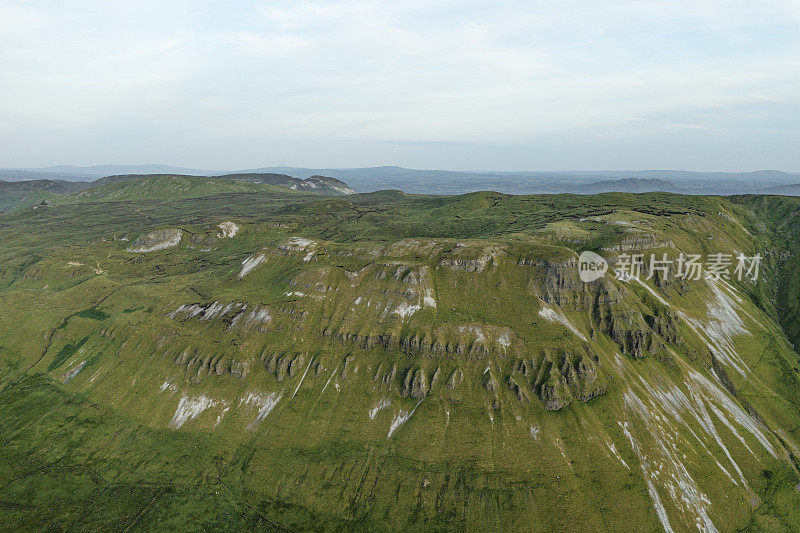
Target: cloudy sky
(457, 84)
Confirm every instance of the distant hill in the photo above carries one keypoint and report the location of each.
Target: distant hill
(105, 170)
(78, 173)
(785, 190)
(118, 178)
(433, 181)
(166, 187)
(634, 185)
(12, 174)
(54, 186)
(124, 187)
(319, 184)
(18, 194)
(422, 181)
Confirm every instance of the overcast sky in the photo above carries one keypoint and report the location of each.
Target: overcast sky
(529, 85)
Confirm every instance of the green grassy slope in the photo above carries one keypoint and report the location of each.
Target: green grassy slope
(322, 185)
(386, 362)
(777, 219)
(162, 187)
(17, 195)
(14, 201)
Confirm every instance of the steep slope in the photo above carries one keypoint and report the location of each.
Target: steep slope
(777, 220)
(389, 361)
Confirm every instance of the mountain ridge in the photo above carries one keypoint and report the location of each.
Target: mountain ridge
(19, 194)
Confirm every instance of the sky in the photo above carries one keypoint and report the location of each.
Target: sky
(454, 84)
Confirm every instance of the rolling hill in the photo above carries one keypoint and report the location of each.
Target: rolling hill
(319, 184)
(632, 185)
(19, 194)
(787, 190)
(155, 187)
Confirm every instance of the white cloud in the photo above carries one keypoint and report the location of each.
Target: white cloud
(152, 75)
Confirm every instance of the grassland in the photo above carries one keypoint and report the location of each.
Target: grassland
(388, 361)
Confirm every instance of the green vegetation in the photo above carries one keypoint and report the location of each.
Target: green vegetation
(172, 187)
(390, 362)
(66, 352)
(21, 194)
(93, 313)
(18, 195)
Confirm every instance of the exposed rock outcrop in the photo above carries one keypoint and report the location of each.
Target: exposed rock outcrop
(234, 314)
(455, 379)
(415, 384)
(160, 239)
(470, 265)
(557, 377)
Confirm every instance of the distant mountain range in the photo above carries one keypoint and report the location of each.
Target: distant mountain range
(524, 182)
(89, 173)
(418, 181)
